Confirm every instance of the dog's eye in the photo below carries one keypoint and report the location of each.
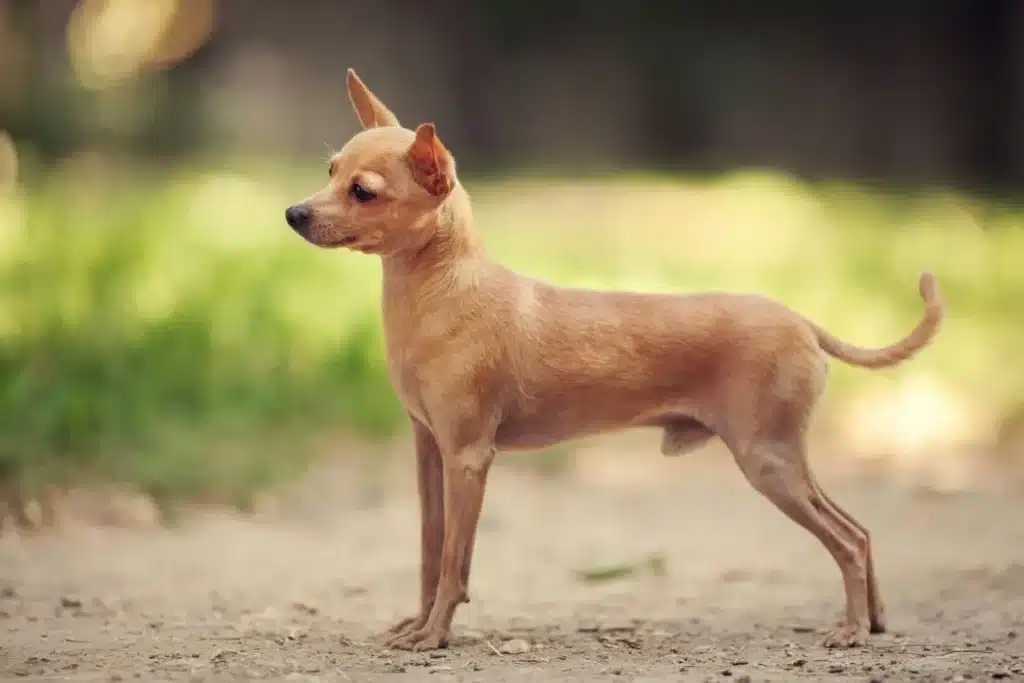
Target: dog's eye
(361, 194)
(330, 170)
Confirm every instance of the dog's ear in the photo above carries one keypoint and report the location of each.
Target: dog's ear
(371, 112)
(432, 164)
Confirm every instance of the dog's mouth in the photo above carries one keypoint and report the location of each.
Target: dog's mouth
(343, 242)
(331, 244)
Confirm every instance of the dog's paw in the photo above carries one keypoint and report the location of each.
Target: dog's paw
(878, 621)
(408, 624)
(876, 625)
(402, 628)
(846, 635)
(426, 638)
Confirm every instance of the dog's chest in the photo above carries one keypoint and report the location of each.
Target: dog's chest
(437, 358)
(406, 382)
(419, 359)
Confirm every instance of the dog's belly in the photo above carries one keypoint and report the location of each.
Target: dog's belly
(545, 428)
(528, 434)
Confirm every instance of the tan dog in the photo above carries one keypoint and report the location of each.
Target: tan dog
(484, 359)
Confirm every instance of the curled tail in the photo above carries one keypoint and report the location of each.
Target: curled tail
(894, 354)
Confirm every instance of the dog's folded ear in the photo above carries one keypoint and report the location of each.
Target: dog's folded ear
(432, 164)
(371, 111)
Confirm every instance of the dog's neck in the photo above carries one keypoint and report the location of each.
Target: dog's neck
(452, 242)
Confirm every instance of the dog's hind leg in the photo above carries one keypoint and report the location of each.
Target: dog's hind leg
(778, 470)
(876, 606)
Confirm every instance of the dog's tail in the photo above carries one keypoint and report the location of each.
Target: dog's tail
(919, 337)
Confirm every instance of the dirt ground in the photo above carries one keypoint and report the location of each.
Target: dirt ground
(628, 567)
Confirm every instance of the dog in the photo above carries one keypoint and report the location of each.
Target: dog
(485, 359)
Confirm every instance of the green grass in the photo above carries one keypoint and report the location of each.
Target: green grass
(166, 330)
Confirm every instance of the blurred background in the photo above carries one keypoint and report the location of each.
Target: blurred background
(162, 329)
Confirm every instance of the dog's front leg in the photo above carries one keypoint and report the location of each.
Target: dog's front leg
(465, 477)
(430, 483)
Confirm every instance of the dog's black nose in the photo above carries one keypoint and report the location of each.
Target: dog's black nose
(297, 216)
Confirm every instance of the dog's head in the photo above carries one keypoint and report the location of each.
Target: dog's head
(384, 187)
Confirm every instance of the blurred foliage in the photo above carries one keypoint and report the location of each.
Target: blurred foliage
(162, 328)
(134, 337)
(166, 330)
(126, 79)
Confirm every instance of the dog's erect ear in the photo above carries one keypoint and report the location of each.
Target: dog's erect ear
(432, 165)
(371, 112)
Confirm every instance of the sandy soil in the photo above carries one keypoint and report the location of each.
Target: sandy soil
(712, 584)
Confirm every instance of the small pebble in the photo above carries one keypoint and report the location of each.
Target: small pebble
(311, 610)
(516, 646)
